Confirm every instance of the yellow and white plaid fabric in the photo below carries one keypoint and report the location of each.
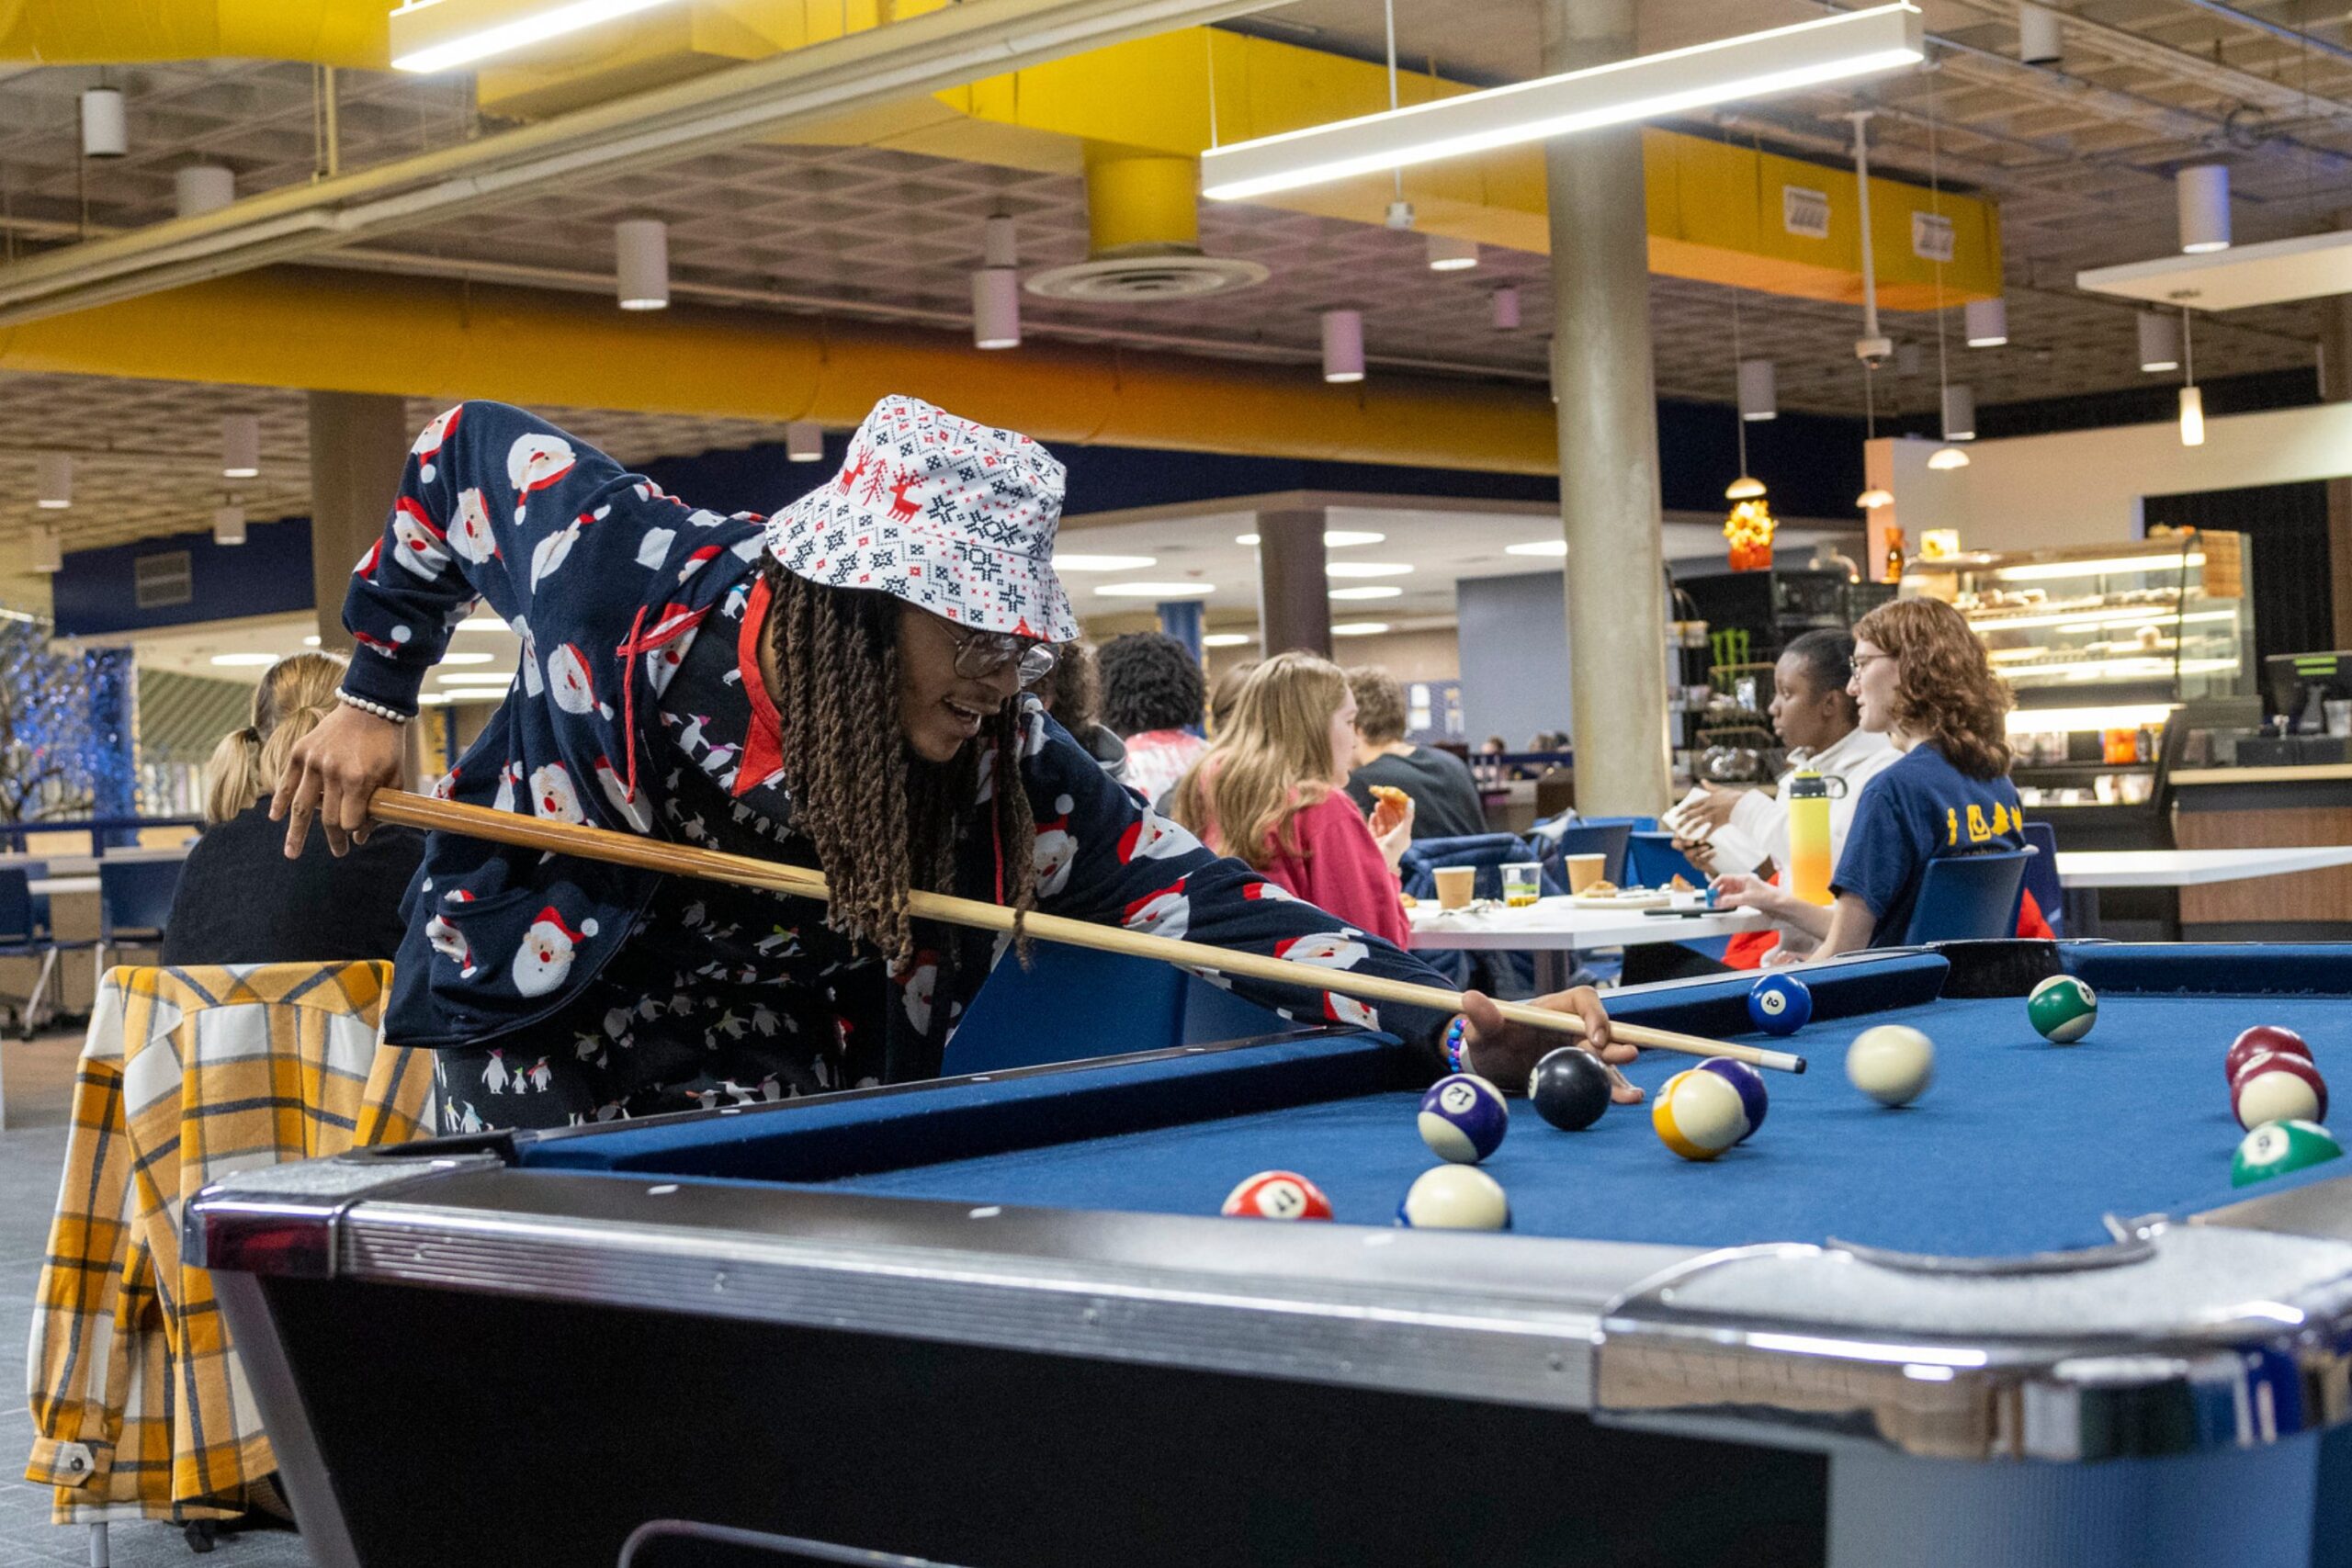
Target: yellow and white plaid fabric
(141, 1409)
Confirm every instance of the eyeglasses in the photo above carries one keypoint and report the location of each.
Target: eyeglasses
(1862, 660)
(980, 655)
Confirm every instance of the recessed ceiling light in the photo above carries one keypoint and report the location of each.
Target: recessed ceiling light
(475, 678)
(311, 641)
(1228, 639)
(1333, 538)
(434, 699)
(1367, 594)
(1359, 629)
(1555, 548)
(1104, 563)
(466, 657)
(1157, 589)
(1367, 569)
(244, 660)
(481, 624)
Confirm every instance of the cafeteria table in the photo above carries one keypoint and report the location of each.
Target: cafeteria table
(2082, 872)
(1552, 928)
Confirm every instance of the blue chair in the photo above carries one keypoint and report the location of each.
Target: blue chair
(1652, 861)
(1073, 1002)
(134, 901)
(2041, 876)
(1607, 840)
(1507, 975)
(1968, 898)
(24, 934)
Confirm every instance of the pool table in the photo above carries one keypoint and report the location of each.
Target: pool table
(996, 1320)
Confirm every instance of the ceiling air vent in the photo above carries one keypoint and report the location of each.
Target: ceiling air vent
(1130, 280)
(160, 582)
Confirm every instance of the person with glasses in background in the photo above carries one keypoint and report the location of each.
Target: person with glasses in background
(842, 686)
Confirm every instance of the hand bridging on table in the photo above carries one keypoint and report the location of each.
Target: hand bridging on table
(1392, 828)
(1505, 1053)
(332, 773)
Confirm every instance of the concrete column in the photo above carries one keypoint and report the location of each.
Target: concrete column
(1294, 599)
(1610, 509)
(360, 445)
(2335, 386)
(1180, 618)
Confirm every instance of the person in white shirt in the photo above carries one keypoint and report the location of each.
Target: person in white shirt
(1747, 831)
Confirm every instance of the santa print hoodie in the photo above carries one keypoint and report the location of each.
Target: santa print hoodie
(606, 580)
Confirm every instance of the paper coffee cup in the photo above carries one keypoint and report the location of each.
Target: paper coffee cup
(1584, 870)
(1456, 884)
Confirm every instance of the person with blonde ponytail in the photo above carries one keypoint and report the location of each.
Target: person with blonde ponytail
(240, 899)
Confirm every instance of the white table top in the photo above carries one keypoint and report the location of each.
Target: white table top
(2191, 868)
(83, 865)
(1557, 923)
(48, 887)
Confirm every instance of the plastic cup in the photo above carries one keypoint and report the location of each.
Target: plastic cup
(1522, 883)
(1455, 886)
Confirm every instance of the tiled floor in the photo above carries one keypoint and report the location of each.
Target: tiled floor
(40, 1079)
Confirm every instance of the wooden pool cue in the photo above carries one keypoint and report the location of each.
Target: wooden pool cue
(588, 842)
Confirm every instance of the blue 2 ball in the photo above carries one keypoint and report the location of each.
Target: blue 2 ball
(1780, 1004)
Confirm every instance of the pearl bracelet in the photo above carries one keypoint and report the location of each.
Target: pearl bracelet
(364, 705)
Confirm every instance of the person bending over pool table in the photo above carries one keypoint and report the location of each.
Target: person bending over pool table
(1921, 679)
(840, 686)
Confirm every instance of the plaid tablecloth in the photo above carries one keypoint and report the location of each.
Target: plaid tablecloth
(140, 1407)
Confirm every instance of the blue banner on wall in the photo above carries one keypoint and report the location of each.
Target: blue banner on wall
(97, 592)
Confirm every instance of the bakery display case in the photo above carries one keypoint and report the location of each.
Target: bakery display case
(2102, 645)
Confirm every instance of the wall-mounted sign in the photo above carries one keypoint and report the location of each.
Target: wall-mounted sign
(1805, 212)
(1931, 237)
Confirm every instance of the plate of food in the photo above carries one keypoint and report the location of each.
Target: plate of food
(1608, 895)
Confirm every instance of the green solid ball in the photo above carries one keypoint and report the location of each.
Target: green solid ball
(2062, 1010)
(2277, 1147)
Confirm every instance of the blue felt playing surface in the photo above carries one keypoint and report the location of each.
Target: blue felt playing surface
(2018, 1146)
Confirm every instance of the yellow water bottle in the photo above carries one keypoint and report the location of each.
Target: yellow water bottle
(1809, 837)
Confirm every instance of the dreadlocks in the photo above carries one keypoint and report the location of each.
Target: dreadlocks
(882, 819)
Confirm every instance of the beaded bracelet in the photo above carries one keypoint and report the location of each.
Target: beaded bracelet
(364, 705)
(1454, 1045)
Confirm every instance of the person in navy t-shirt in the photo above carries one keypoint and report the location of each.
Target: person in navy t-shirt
(1920, 678)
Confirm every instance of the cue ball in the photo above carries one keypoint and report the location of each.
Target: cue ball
(1750, 1084)
(1277, 1195)
(1454, 1198)
(1570, 1089)
(2062, 1010)
(1780, 1004)
(1699, 1114)
(2255, 1041)
(1464, 1118)
(1891, 1064)
(2276, 1087)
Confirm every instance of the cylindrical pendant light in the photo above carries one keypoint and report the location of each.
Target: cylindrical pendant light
(2037, 41)
(203, 187)
(240, 447)
(229, 524)
(48, 555)
(1988, 322)
(996, 308)
(2159, 341)
(641, 248)
(1960, 412)
(104, 133)
(1448, 254)
(804, 441)
(1506, 309)
(53, 482)
(1757, 390)
(2192, 416)
(2204, 191)
(1909, 359)
(1342, 345)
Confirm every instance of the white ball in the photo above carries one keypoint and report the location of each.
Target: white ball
(2274, 1097)
(1891, 1064)
(1455, 1198)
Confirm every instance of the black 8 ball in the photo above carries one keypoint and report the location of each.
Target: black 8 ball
(1570, 1089)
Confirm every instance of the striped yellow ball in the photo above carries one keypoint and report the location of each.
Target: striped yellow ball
(1698, 1115)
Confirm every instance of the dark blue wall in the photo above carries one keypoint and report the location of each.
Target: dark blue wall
(269, 574)
(1812, 463)
(1514, 642)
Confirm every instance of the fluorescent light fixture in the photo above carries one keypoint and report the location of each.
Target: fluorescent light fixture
(1945, 458)
(466, 657)
(245, 660)
(1333, 538)
(641, 249)
(482, 624)
(1555, 549)
(1829, 49)
(240, 447)
(53, 480)
(1342, 346)
(1367, 569)
(475, 31)
(1156, 590)
(1104, 563)
(2192, 416)
(804, 441)
(312, 640)
(434, 699)
(2159, 341)
(1988, 322)
(475, 677)
(1448, 254)
(1359, 629)
(1383, 592)
(2106, 566)
(1228, 639)
(2126, 715)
